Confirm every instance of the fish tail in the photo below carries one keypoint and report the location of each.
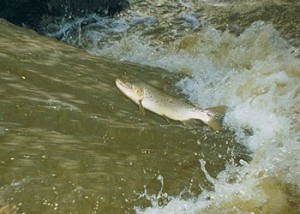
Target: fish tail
(217, 114)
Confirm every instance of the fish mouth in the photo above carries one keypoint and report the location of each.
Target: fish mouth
(122, 84)
(125, 87)
(130, 90)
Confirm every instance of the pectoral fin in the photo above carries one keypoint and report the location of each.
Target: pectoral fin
(141, 108)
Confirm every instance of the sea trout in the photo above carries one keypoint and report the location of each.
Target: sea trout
(152, 99)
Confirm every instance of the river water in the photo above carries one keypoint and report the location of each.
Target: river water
(70, 142)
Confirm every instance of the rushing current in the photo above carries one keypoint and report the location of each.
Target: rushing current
(135, 164)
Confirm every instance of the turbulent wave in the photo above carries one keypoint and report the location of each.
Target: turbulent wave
(256, 75)
(255, 72)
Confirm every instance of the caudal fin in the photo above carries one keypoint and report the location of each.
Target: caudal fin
(217, 114)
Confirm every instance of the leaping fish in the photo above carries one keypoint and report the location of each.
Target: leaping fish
(152, 99)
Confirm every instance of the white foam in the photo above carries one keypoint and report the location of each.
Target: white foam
(258, 78)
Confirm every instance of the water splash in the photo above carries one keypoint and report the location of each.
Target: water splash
(256, 75)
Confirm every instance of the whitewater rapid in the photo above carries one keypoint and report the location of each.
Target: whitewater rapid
(257, 75)
(254, 71)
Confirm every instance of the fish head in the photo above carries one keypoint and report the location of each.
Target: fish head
(135, 92)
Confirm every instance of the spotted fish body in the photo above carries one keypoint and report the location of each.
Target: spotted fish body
(152, 99)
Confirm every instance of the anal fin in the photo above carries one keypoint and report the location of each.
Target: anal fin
(190, 124)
